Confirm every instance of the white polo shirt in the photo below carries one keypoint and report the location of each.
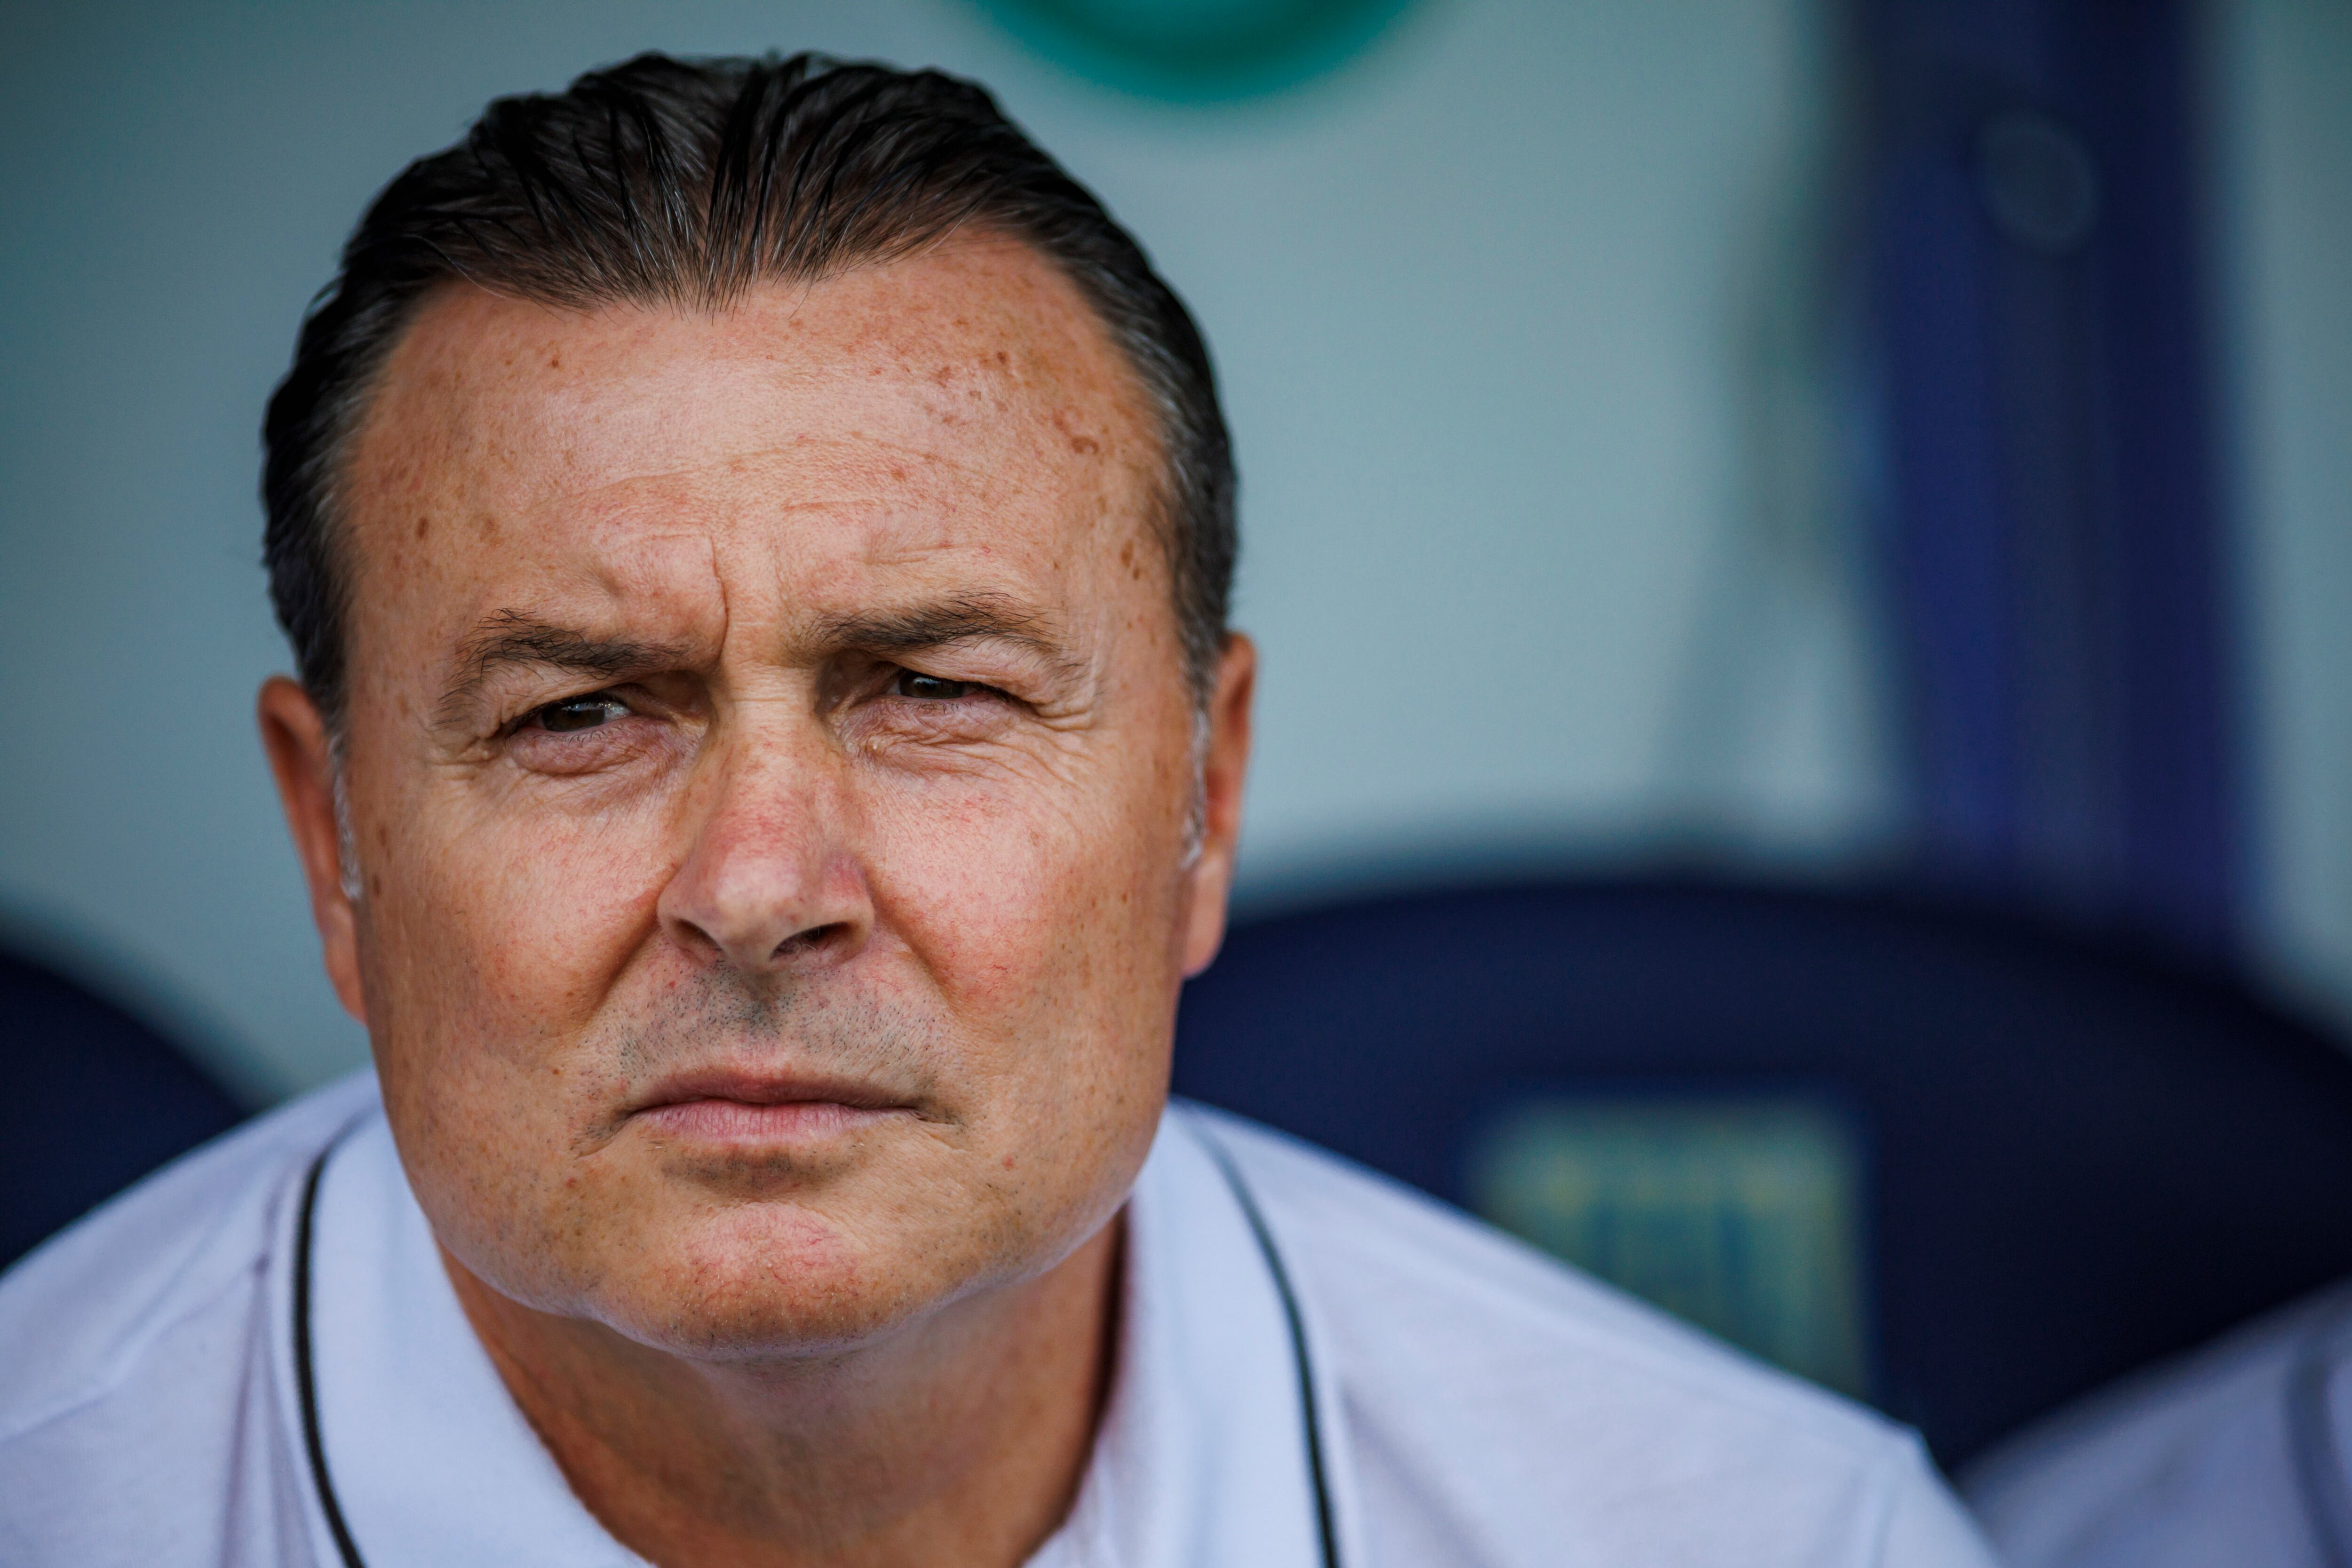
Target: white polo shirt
(1473, 1403)
(2237, 1453)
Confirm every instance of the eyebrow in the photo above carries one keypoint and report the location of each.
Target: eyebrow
(512, 638)
(978, 618)
(508, 640)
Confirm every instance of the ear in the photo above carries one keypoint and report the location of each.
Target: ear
(301, 758)
(1224, 771)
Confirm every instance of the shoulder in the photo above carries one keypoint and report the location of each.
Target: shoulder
(1473, 1368)
(1389, 1263)
(2189, 1463)
(85, 1311)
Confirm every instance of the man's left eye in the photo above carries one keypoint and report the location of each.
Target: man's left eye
(931, 688)
(574, 713)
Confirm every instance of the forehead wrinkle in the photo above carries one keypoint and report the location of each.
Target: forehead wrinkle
(631, 512)
(907, 401)
(790, 454)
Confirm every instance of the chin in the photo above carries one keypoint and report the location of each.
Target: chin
(771, 1279)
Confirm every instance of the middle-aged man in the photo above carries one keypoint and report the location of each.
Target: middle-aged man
(755, 536)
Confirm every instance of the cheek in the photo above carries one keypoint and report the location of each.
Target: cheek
(1045, 917)
(507, 932)
(497, 945)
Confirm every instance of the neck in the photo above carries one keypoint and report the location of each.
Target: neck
(959, 1439)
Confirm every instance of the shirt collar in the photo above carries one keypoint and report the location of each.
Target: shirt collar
(430, 1457)
(1202, 1458)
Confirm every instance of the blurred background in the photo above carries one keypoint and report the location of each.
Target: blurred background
(1865, 461)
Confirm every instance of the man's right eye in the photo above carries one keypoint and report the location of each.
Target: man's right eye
(574, 713)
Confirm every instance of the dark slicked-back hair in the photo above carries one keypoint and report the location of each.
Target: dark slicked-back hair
(687, 183)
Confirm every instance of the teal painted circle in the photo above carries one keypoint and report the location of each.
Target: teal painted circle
(1199, 48)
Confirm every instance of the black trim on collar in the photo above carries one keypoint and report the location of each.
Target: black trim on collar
(1326, 1529)
(306, 1380)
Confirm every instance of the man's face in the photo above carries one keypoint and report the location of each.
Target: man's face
(771, 792)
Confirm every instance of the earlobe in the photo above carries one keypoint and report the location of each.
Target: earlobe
(1224, 770)
(302, 761)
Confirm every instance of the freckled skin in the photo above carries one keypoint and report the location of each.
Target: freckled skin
(770, 852)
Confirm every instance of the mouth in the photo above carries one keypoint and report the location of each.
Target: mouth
(741, 1109)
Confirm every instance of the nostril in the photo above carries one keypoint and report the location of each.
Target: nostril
(813, 941)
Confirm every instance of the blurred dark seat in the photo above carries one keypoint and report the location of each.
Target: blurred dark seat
(2074, 1159)
(95, 1101)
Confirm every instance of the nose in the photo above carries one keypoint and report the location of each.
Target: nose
(769, 885)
